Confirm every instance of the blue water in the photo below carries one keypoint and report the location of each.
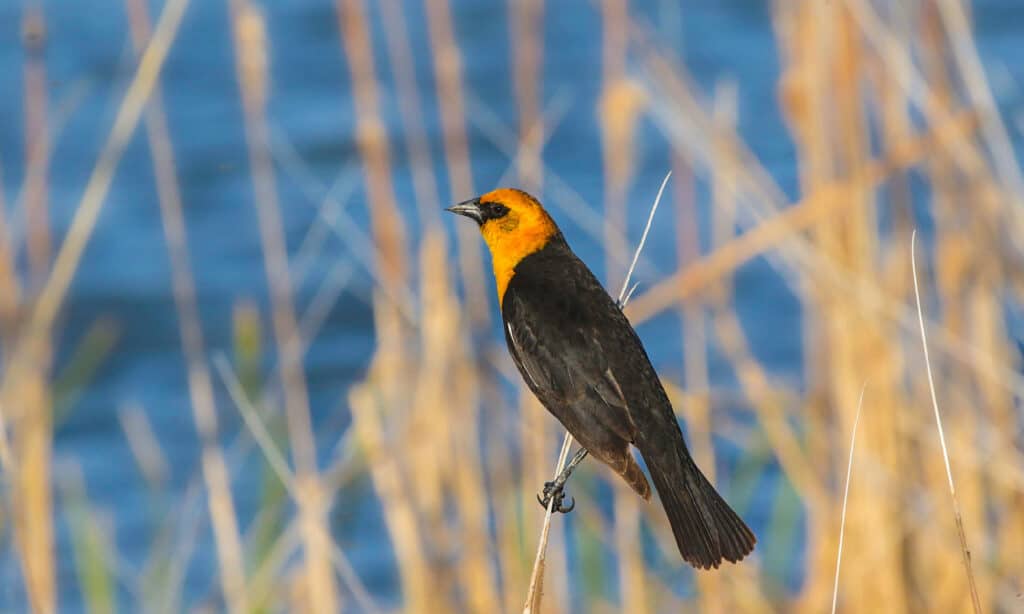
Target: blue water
(125, 275)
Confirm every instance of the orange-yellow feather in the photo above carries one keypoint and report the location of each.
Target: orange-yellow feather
(525, 229)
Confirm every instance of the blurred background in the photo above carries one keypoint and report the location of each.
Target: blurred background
(249, 365)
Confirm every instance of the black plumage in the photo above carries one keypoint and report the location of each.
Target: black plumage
(581, 357)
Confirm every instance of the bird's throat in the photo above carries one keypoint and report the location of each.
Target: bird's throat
(508, 250)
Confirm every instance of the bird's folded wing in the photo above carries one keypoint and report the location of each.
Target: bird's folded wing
(559, 350)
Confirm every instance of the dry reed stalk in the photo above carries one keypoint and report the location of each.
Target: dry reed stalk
(30, 404)
(694, 339)
(628, 546)
(844, 51)
(276, 460)
(812, 209)
(825, 77)
(144, 445)
(526, 31)
(287, 540)
(457, 433)
(447, 379)
(381, 396)
(846, 496)
(965, 551)
(965, 53)
(183, 544)
(435, 435)
(52, 294)
(251, 64)
(957, 288)
(10, 288)
(560, 194)
(688, 250)
(215, 471)
(331, 211)
(958, 176)
(769, 401)
(37, 146)
(895, 358)
(514, 557)
(27, 455)
(732, 338)
(367, 402)
(938, 102)
(617, 116)
(762, 197)
(723, 220)
(396, 34)
(844, 153)
(387, 227)
(827, 68)
(25, 393)
(535, 591)
(713, 595)
(448, 73)
(985, 315)
(6, 456)
(618, 111)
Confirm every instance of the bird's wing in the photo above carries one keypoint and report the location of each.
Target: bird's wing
(582, 358)
(557, 340)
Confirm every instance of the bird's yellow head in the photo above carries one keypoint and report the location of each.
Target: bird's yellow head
(513, 224)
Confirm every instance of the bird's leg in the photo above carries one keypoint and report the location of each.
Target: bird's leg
(556, 489)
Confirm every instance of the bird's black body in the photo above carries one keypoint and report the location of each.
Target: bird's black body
(581, 357)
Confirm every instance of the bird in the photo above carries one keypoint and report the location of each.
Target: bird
(580, 356)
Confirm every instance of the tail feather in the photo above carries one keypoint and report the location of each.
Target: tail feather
(706, 529)
(634, 476)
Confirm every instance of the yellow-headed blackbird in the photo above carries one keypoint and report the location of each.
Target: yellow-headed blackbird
(581, 357)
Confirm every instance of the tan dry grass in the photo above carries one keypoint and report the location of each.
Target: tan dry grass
(456, 464)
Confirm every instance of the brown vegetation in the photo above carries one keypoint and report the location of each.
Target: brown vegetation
(872, 93)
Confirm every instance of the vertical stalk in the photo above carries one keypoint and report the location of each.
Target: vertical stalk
(448, 72)
(204, 412)
(10, 287)
(616, 121)
(251, 60)
(379, 398)
(37, 145)
(31, 401)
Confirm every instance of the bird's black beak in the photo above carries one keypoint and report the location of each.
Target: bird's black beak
(470, 209)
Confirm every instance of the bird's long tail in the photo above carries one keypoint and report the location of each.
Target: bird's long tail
(706, 529)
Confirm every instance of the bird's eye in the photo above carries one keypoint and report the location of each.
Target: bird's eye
(493, 211)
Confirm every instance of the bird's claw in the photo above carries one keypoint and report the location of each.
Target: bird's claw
(556, 492)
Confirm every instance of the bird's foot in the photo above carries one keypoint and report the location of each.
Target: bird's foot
(556, 491)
